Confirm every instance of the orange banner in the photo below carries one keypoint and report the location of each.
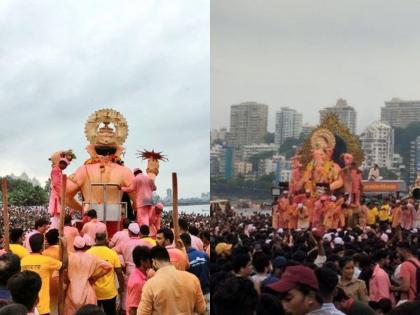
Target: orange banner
(380, 186)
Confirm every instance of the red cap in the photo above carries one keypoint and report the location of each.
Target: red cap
(293, 276)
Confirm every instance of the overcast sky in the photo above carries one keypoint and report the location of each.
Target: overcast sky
(307, 54)
(62, 60)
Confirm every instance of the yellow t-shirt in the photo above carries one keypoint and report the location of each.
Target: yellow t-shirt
(150, 240)
(384, 213)
(105, 287)
(44, 266)
(18, 250)
(52, 251)
(371, 216)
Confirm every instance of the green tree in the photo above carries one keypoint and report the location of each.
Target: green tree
(287, 148)
(22, 193)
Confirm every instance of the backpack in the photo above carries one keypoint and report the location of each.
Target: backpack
(417, 278)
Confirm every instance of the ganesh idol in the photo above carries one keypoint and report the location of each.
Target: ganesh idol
(322, 169)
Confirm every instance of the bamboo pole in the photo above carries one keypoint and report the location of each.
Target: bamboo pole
(5, 214)
(175, 207)
(61, 252)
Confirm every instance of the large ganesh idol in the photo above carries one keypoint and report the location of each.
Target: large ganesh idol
(99, 179)
(322, 169)
(322, 156)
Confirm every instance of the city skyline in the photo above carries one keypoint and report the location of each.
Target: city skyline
(307, 61)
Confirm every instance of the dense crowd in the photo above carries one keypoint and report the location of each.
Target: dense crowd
(367, 266)
(130, 272)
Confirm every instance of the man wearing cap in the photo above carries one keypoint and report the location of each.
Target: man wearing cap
(299, 288)
(83, 271)
(54, 207)
(105, 288)
(125, 249)
(279, 264)
(144, 186)
(223, 249)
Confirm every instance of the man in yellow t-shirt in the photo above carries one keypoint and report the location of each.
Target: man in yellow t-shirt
(16, 241)
(105, 288)
(372, 214)
(144, 235)
(44, 266)
(385, 212)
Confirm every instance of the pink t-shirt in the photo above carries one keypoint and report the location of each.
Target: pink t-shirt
(380, 285)
(70, 234)
(118, 238)
(134, 288)
(92, 227)
(408, 270)
(126, 250)
(144, 187)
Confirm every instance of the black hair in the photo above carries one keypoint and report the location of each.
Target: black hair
(167, 234)
(404, 245)
(67, 220)
(52, 237)
(140, 253)
(183, 224)
(193, 230)
(9, 265)
(36, 241)
(306, 290)
(40, 222)
(90, 309)
(260, 261)
(343, 261)
(144, 230)
(186, 238)
(92, 214)
(327, 280)
(340, 295)
(13, 309)
(100, 237)
(159, 253)
(126, 223)
(237, 296)
(24, 288)
(379, 254)
(406, 308)
(269, 304)
(240, 261)
(15, 234)
(139, 171)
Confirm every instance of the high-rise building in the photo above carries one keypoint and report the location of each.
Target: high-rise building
(378, 145)
(414, 166)
(248, 124)
(253, 149)
(218, 135)
(306, 130)
(345, 113)
(400, 113)
(288, 125)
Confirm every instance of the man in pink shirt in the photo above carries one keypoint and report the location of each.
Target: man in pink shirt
(196, 242)
(125, 249)
(41, 226)
(120, 236)
(141, 258)
(178, 257)
(93, 226)
(408, 285)
(54, 207)
(70, 232)
(379, 283)
(144, 186)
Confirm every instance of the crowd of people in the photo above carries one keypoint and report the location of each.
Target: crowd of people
(327, 256)
(130, 272)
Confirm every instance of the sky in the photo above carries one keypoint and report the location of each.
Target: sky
(149, 60)
(306, 54)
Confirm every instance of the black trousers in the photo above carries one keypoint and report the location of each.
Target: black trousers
(109, 306)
